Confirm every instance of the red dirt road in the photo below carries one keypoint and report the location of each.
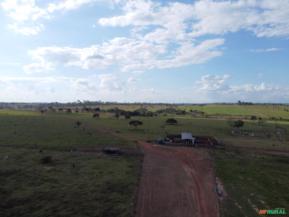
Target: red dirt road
(176, 182)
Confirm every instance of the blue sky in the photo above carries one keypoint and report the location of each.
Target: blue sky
(144, 51)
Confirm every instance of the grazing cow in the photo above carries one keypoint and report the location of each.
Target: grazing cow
(95, 115)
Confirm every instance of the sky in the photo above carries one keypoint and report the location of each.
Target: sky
(171, 51)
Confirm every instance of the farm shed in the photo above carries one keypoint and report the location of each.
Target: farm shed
(187, 138)
(183, 138)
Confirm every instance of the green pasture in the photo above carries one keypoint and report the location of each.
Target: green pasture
(81, 183)
(54, 131)
(252, 182)
(76, 183)
(73, 185)
(267, 111)
(265, 135)
(263, 111)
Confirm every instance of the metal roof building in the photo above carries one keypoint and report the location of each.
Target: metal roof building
(186, 136)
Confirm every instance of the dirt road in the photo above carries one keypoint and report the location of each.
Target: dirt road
(176, 182)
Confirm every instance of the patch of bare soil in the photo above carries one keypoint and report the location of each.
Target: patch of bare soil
(176, 182)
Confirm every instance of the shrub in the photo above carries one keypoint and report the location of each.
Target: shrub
(46, 160)
(171, 121)
(78, 123)
(135, 123)
(238, 123)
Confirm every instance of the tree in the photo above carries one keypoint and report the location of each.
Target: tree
(46, 160)
(97, 109)
(116, 115)
(42, 111)
(238, 123)
(77, 123)
(135, 123)
(171, 121)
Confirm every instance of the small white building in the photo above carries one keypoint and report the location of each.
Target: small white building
(187, 137)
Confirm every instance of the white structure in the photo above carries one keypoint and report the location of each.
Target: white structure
(187, 137)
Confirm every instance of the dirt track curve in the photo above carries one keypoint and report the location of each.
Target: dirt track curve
(176, 182)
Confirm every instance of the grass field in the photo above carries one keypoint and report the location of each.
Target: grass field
(252, 182)
(264, 111)
(265, 135)
(54, 131)
(96, 186)
(82, 183)
(75, 183)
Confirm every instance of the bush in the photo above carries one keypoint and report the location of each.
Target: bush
(171, 121)
(238, 123)
(46, 160)
(135, 123)
(77, 123)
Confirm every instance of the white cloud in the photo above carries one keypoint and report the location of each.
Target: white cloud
(27, 15)
(265, 50)
(167, 46)
(265, 18)
(215, 88)
(23, 10)
(26, 30)
(137, 12)
(213, 82)
(109, 82)
(116, 87)
(127, 53)
(67, 5)
(106, 87)
(168, 20)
